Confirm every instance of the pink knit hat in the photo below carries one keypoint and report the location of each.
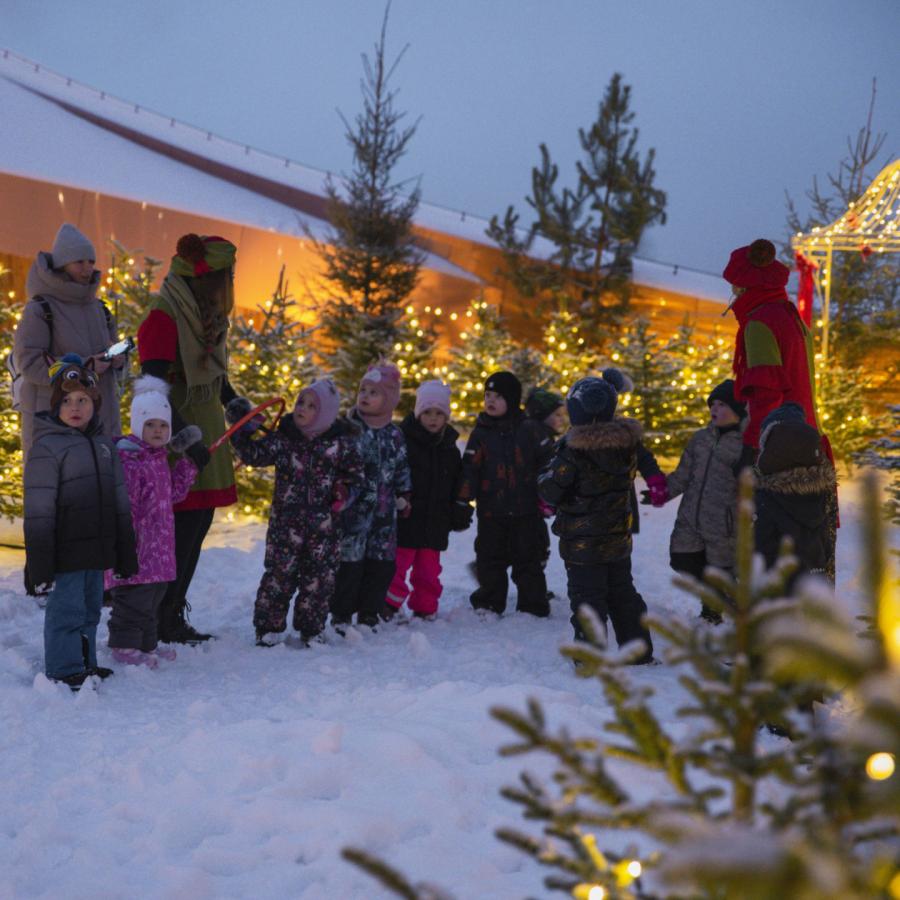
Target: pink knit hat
(433, 395)
(384, 377)
(327, 400)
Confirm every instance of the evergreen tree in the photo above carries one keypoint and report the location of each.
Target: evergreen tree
(884, 453)
(370, 259)
(644, 356)
(486, 347)
(270, 356)
(592, 229)
(11, 463)
(566, 353)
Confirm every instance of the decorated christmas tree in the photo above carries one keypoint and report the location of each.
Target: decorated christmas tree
(270, 357)
(567, 355)
(11, 465)
(370, 258)
(485, 346)
(656, 399)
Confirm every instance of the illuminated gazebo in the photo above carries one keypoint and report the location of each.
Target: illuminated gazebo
(870, 225)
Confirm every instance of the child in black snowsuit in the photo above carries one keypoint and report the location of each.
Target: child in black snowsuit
(590, 482)
(435, 463)
(503, 457)
(318, 470)
(795, 488)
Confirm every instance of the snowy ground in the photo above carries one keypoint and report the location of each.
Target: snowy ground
(238, 771)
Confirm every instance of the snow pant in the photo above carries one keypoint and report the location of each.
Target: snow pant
(132, 622)
(608, 589)
(361, 588)
(191, 526)
(70, 622)
(302, 562)
(693, 564)
(425, 580)
(516, 542)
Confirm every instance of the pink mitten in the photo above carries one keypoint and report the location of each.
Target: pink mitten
(545, 509)
(659, 489)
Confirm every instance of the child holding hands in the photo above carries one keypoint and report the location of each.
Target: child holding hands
(318, 469)
(369, 544)
(154, 487)
(435, 463)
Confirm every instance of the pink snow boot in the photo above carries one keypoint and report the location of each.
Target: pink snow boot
(166, 653)
(130, 656)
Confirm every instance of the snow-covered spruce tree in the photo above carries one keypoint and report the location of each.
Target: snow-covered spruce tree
(655, 371)
(370, 259)
(884, 454)
(578, 248)
(485, 346)
(566, 354)
(270, 356)
(11, 464)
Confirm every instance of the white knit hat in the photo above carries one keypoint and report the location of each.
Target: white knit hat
(70, 246)
(151, 401)
(433, 394)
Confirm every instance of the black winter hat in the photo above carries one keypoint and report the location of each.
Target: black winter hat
(787, 412)
(507, 386)
(724, 393)
(591, 399)
(542, 403)
(788, 444)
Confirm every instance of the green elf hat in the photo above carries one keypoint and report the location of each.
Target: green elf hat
(197, 255)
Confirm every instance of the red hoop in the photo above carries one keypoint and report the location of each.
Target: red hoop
(245, 419)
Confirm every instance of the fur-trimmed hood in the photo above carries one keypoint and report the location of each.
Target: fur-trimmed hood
(820, 479)
(619, 434)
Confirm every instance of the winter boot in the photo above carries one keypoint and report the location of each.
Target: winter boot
(388, 612)
(166, 653)
(100, 671)
(710, 615)
(175, 628)
(264, 639)
(73, 681)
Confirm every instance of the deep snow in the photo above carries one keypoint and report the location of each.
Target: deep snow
(238, 771)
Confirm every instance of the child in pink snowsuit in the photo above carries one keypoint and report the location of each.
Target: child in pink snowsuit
(435, 463)
(153, 488)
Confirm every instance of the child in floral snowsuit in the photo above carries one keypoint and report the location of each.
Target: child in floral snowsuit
(318, 470)
(153, 489)
(369, 545)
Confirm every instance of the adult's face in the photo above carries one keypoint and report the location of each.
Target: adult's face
(80, 271)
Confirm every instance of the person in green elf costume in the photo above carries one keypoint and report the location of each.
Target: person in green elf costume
(183, 340)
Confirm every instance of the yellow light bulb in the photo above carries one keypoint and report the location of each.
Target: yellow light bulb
(880, 766)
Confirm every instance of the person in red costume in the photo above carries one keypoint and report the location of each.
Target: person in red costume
(773, 353)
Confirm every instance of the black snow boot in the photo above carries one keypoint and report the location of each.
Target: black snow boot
(100, 671)
(175, 628)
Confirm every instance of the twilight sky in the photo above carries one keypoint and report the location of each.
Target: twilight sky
(742, 101)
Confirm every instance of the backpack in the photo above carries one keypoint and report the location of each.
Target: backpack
(16, 382)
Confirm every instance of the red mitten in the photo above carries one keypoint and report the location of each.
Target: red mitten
(545, 509)
(659, 489)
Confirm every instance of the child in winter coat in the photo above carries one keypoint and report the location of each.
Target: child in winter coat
(153, 488)
(704, 528)
(369, 543)
(503, 457)
(77, 520)
(795, 489)
(435, 463)
(318, 469)
(590, 481)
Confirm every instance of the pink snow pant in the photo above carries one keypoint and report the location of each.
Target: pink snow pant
(425, 580)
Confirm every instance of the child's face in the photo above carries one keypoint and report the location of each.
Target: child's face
(305, 411)
(369, 400)
(156, 432)
(722, 415)
(557, 420)
(76, 410)
(433, 419)
(494, 404)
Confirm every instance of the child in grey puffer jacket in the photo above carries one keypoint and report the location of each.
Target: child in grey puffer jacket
(704, 528)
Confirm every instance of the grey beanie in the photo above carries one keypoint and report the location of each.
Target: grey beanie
(70, 246)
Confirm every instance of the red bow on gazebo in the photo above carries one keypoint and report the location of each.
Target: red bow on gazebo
(805, 267)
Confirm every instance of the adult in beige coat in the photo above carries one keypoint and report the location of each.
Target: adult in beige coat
(66, 280)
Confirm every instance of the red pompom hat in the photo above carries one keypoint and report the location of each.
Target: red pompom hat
(756, 266)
